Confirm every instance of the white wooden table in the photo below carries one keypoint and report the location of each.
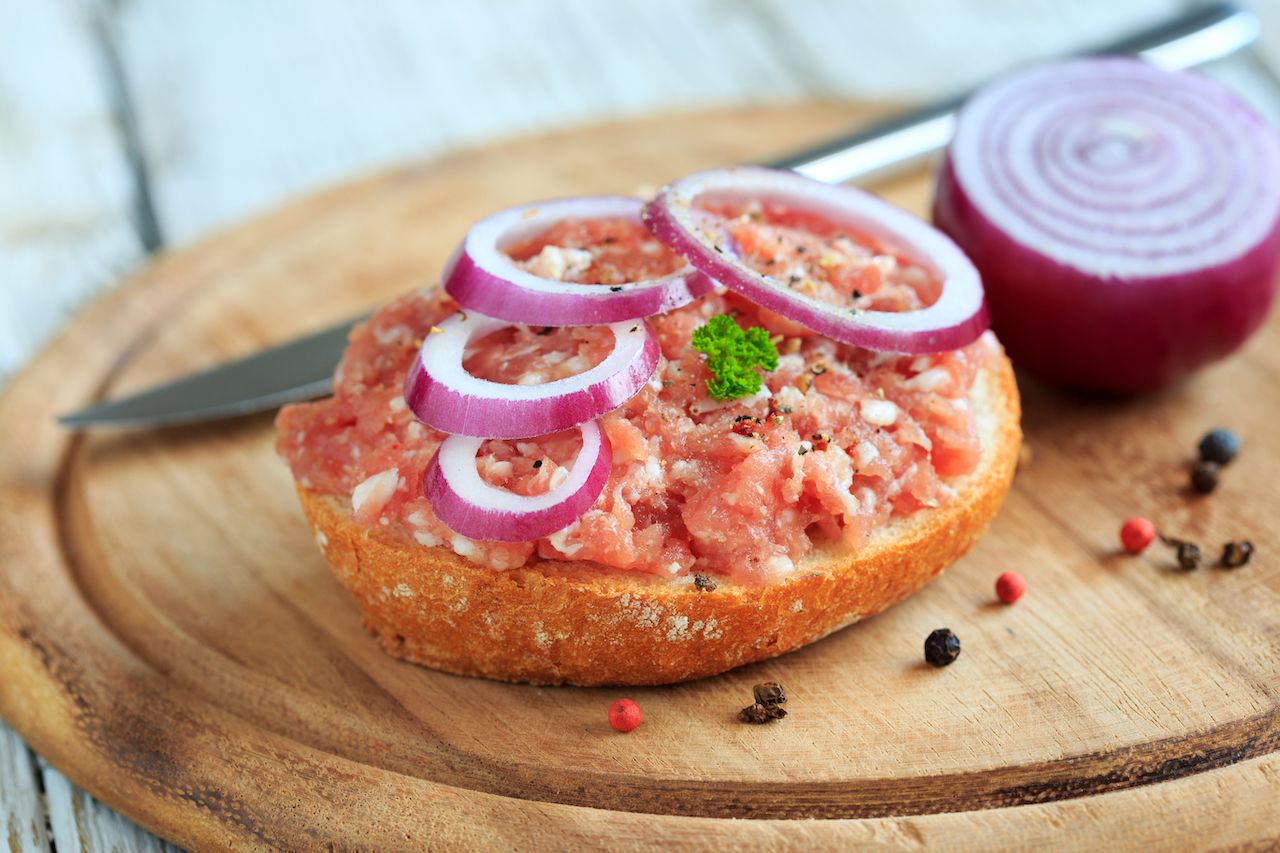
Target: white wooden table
(127, 128)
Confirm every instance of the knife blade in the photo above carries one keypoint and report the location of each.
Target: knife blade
(302, 369)
(299, 370)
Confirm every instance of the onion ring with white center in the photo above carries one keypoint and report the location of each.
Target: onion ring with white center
(481, 277)
(470, 506)
(956, 319)
(444, 396)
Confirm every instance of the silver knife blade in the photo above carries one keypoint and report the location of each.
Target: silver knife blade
(301, 369)
(298, 370)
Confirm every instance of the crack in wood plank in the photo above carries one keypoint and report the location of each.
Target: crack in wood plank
(102, 18)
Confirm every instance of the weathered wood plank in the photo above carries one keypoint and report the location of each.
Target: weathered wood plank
(66, 232)
(22, 817)
(1268, 47)
(81, 824)
(65, 190)
(240, 107)
(869, 50)
(912, 51)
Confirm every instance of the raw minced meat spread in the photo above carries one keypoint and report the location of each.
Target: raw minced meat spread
(838, 441)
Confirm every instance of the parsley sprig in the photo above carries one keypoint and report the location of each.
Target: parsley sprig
(733, 354)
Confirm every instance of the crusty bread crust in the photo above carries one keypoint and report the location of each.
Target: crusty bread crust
(555, 622)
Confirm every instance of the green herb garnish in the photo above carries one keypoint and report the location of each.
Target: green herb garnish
(733, 354)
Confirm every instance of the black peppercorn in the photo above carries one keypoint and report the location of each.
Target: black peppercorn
(770, 697)
(758, 713)
(1204, 477)
(703, 583)
(1235, 554)
(1219, 446)
(1188, 555)
(769, 693)
(941, 647)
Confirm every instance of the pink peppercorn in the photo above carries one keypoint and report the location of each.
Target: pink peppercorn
(624, 715)
(1010, 586)
(1137, 534)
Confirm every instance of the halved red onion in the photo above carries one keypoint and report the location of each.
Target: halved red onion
(956, 319)
(443, 395)
(470, 506)
(481, 277)
(1126, 220)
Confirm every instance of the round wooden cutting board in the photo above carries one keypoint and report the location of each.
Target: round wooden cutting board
(172, 640)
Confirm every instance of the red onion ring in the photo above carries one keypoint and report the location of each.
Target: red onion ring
(481, 277)
(1126, 220)
(956, 319)
(444, 396)
(470, 506)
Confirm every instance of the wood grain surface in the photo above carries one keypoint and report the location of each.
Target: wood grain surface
(173, 641)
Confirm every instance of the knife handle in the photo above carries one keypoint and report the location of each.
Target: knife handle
(903, 142)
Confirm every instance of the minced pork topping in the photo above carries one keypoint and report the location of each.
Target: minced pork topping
(838, 441)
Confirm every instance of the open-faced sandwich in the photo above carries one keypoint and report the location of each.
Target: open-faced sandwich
(634, 443)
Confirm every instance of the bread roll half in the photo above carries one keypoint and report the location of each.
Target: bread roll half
(555, 622)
